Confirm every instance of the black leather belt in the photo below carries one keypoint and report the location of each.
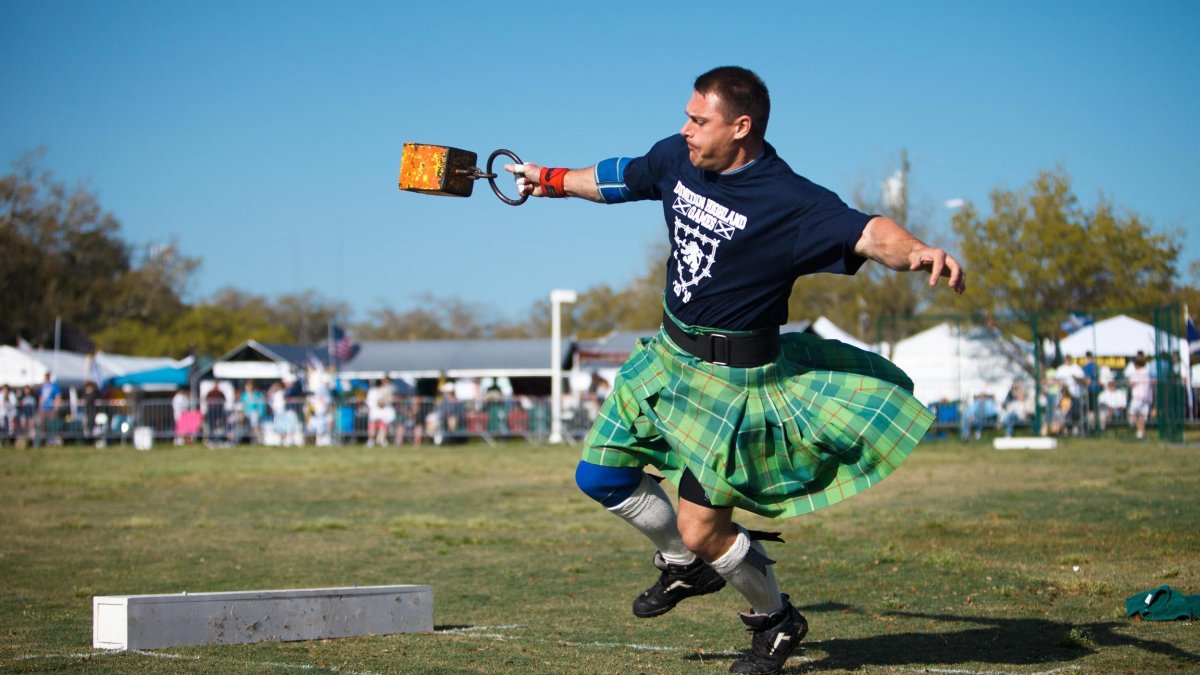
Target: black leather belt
(742, 350)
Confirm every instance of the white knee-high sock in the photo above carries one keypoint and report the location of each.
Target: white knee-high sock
(748, 569)
(650, 511)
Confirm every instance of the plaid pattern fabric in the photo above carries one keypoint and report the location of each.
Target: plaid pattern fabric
(821, 423)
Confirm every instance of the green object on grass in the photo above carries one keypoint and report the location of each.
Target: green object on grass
(1163, 604)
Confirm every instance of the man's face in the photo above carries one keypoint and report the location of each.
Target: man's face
(709, 136)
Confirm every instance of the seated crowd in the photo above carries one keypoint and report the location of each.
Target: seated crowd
(1075, 398)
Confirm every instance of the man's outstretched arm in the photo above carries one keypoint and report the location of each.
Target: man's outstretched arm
(573, 182)
(887, 242)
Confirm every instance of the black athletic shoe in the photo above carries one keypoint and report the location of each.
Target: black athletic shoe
(674, 584)
(775, 637)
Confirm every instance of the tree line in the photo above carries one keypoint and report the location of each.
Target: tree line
(1038, 250)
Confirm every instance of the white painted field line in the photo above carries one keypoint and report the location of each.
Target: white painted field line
(487, 632)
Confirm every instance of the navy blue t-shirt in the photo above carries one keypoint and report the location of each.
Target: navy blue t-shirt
(739, 240)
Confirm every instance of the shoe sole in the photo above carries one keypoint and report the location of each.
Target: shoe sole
(713, 586)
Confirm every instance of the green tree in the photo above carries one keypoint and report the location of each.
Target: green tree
(1041, 251)
(432, 318)
(856, 303)
(206, 330)
(306, 315)
(62, 256)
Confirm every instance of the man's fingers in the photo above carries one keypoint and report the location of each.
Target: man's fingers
(936, 265)
(940, 264)
(958, 278)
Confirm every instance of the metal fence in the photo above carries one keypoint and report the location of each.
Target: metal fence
(1048, 373)
(410, 420)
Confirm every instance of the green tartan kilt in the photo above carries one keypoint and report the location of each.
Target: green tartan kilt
(821, 423)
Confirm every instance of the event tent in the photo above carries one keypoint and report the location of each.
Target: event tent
(953, 363)
(163, 377)
(20, 367)
(1115, 336)
(827, 329)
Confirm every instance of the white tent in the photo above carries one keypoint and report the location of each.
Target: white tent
(953, 364)
(1115, 336)
(830, 331)
(20, 367)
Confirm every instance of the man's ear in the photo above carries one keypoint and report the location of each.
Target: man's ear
(742, 127)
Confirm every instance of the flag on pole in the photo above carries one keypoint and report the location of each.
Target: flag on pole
(93, 370)
(71, 339)
(1076, 321)
(1193, 338)
(344, 346)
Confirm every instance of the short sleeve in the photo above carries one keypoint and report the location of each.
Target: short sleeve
(643, 173)
(828, 234)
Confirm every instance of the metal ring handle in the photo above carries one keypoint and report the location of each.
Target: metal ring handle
(492, 177)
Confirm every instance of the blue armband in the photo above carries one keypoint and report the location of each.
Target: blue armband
(610, 179)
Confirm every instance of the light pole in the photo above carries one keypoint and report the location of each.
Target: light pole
(557, 298)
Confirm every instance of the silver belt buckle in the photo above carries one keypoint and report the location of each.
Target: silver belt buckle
(718, 358)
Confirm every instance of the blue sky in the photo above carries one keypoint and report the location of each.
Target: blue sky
(265, 137)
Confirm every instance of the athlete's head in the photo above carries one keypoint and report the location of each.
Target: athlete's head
(727, 115)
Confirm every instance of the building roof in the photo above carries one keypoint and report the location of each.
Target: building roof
(401, 358)
(455, 358)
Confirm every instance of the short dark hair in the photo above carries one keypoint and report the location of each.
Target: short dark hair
(741, 93)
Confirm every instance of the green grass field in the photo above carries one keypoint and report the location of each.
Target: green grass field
(967, 560)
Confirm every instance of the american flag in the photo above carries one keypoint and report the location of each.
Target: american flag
(344, 346)
(1193, 338)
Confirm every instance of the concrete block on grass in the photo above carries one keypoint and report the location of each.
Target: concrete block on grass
(1025, 443)
(240, 617)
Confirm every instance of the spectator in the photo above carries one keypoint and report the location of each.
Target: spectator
(27, 412)
(8, 412)
(254, 407)
(980, 413)
(1018, 408)
(1112, 401)
(320, 419)
(116, 400)
(276, 402)
(1092, 387)
(1070, 375)
(215, 416)
(49, 402)
(91, 397)
(295, 396)
(446, 418)
(181, 403)
(411, 416)
(1049, 398)
(1064, 416)
(380, 412)
(1140, 377)
(288, 404)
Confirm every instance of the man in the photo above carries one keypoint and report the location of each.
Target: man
(1141, 378)
(181, 404)
(380, 412)
(254, 407)
(1113, 402)
(730, 411)
(49, 401)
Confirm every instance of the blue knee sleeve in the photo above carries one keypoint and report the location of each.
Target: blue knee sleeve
(608, 485)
